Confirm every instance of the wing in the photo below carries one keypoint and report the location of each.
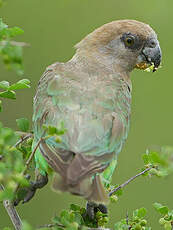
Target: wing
(96, 117)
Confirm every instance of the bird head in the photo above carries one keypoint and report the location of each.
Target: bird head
(122, 45)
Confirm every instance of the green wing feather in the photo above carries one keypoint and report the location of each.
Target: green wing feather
(95, 111)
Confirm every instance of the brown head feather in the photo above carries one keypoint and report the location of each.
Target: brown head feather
(110, 31)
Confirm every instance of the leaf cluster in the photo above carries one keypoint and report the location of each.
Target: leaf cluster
(160, 161)
(7, 90)
(167, 216)
(11, 164)
(136, 222)
(56, 132)
(10, 52)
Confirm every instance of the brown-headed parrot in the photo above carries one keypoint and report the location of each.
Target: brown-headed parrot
(91, 95)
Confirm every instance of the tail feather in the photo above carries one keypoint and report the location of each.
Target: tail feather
(79, 175)
(90, 189)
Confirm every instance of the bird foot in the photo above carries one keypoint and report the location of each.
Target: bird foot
(92, 209)
(25, 194)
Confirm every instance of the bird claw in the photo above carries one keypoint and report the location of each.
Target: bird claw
(25, 194)
(92, 208)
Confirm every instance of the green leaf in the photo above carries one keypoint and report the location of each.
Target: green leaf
(168, 226)
(2, 25)
(119, 192)
(52, 130)
(8, 94)
(75, 207)
(15, 31)
(145, 159)
(154, 157)
(22, 84)
(135, 213)
(78, 218)
(57, 220)
(4, 85)
(141, 212)
(26, 226)
(23, 124)
(161, 209)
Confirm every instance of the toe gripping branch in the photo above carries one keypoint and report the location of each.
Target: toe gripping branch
(92, 208)
(25, 194)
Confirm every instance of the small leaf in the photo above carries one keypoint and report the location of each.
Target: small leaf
(22, 84)
(145, 159)
(119, 192)
(26, 226)
(8, 94)
(161, 209)
(78, 218)
(74, 207)
(52, 130)
(157, 205)
(57, 220)
(154, 157)
(4, 85)
(15, 31)
(23, 124)
(2, 25)
(142, 212)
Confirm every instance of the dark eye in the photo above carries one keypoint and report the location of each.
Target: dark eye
(129, 41)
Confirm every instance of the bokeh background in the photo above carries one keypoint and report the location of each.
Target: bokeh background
(53, 27)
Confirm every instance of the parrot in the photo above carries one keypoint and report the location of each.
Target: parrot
(91, 95)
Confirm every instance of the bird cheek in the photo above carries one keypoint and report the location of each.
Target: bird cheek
(141, 63)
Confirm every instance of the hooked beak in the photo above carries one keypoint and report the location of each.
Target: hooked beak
(150, 55)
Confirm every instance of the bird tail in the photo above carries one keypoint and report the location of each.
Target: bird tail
(90, 189)
(79, 175)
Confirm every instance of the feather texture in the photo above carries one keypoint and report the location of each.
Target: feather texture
(91, 95)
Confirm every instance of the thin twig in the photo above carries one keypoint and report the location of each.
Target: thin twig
(62, 226)
(128, 181)
(31, 156)
(14, 216)
(22, 139)
(51, 226)
(14, 43)
(29, 161)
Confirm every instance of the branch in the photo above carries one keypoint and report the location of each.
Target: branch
(59, 225)
(31, 156)
(14, 216)
(128, 181)
(23, 138)
(29, 160)
(14, 43)
(50, 226)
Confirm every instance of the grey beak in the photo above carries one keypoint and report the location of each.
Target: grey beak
(153, 53)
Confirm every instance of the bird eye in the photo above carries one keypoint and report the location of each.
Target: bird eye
(129, 41)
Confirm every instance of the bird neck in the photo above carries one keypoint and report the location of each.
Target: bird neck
(97, 62)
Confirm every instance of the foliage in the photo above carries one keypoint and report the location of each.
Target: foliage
(156, 163)
(16, 149)
(136, 222)
(10, 52)
(7, 91)
(12, 162)
(167, 216)
(160, 161)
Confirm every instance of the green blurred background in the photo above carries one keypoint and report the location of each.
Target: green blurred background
(53, 27)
